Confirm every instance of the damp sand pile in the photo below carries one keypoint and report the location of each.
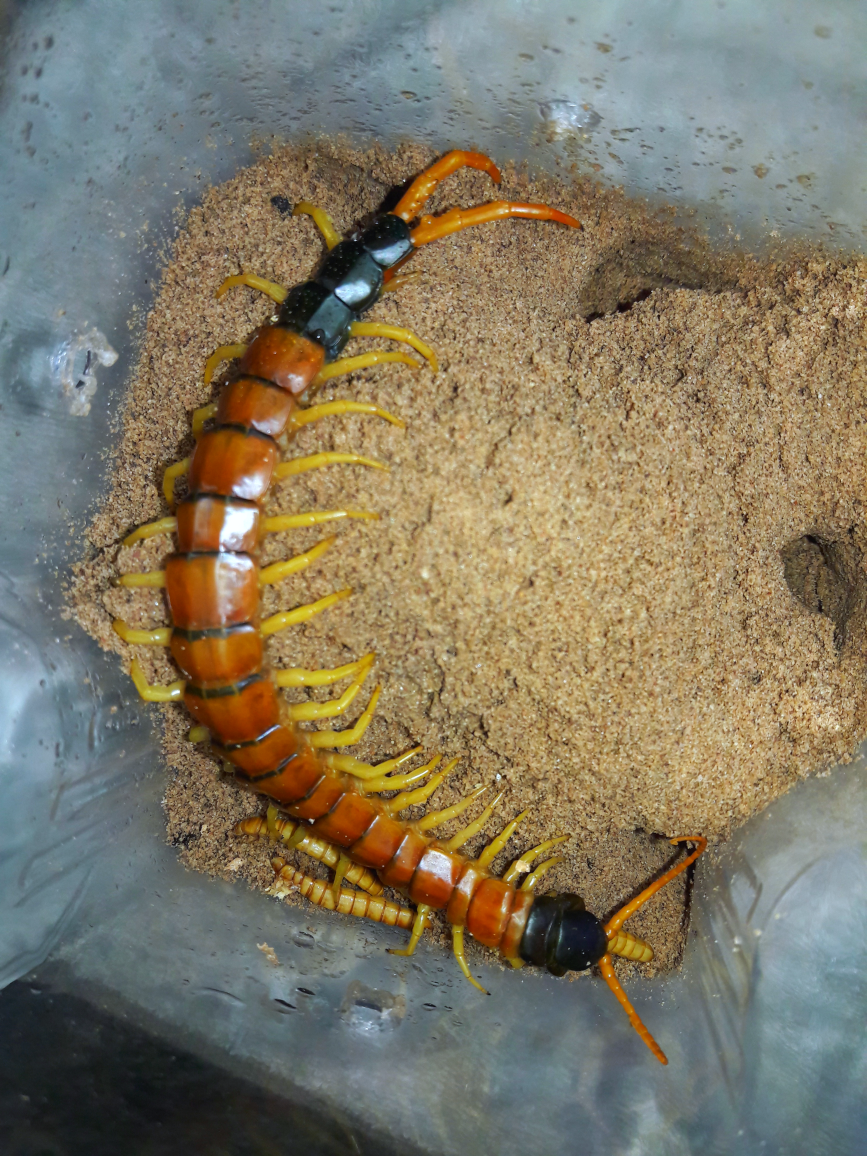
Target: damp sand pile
(619, 562)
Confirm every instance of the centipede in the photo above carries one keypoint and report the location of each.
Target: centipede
(321, 800)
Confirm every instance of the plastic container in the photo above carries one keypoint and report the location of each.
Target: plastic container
(114, 117)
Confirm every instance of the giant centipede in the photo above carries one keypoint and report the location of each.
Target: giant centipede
(212, 584)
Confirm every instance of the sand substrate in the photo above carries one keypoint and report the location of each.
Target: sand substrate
(619, 562)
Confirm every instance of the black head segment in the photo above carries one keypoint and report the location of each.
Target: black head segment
(562, 936)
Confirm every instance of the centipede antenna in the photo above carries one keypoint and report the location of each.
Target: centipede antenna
(412, 201)
(432, 228)
(616, 922)
(611, 979)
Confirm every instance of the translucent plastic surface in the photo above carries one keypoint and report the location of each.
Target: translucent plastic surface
(114, 116)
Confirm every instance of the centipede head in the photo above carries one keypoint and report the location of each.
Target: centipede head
(561, 935)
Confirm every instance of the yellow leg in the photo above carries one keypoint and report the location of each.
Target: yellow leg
(394, 333)
(419, 924)
(280, 570)
(296, 466)
(534, 876)
(373, 786)
(274, 291)
(422, 794)
(170, 477)
(198, 735)
(350, 766)
(361, 361)
(347, 738)
(286, 618)
(151, 529)
(281, 522)
(346, 902)
(437, 818)
(321, 220)
(496, 845)
(399, 280)
(302, 417)
(460, 956)
(524, 861)
(466, 833)
(155, 578)
(308, 711)
(201, 415)
(298, 677)
(342, 866)
(158, 637)
(150, 693)
(220, 354)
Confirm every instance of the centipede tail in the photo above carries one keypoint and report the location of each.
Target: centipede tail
(212, 583)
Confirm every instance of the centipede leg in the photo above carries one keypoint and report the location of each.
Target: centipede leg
(309, 711)
(170, 476)
(296, 676)
(159, 637)
(283, 619)
(351, 736)
(437, 818)
(496, 845)
(460, 955)
(382, 781)
(152, 693)
(394, 333)
(362, 361)
(422, 794)
(296, 466)
(200, 416)
(151, 530)
(466, 833)
(222, 353)
(270, 288)
(419, 924)
(322, 221)
(280, 522)
(525, 860)
(276, 572)
(302, 417)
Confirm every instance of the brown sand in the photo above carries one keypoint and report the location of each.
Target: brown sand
(619, 567)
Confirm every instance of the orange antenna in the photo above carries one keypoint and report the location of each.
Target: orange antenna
(616, 922)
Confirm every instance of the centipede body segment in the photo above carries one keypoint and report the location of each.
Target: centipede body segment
(212, 585)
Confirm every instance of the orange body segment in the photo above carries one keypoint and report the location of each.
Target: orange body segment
(209, 590)
(256, 404)
(436, 876)
(227, 654)
(263, 754)
(466, 886)
(379, 843)
(286, 358)
(406, 858)
(489, 911)
(233, 462)
(212, 523)
(237, 713)
(348, 819)
(511, 942)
